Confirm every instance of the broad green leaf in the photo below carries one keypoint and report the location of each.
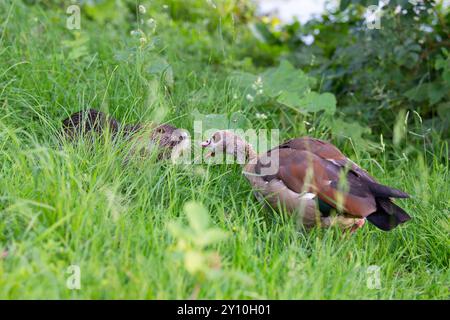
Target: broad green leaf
(211, 121)
(353, 131)
(77, 47)
(77, 53)
(104, 10)
(290, 99)
(194, 262)
(285, 78)
(444, 65)
(288, 86)
(443, 111)
(177, 230)
(197, 215)
(418, 93)
(210, 236)
(311, 102)
(239, 121)
(243, 80)
(163, 69)
(436, 91)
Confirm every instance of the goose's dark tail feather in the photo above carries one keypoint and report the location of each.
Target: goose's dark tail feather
(388, 215)
(382, 191)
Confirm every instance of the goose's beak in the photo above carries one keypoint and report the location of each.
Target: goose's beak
(205, 143)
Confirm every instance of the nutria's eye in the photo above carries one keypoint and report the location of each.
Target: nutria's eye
(161, 130)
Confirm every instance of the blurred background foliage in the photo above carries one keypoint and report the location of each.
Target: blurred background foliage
(377, 73)
(386, 82)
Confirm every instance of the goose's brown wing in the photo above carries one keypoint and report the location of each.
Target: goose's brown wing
(303, 171)
(330, 153)
(326, 151)
(318, 147)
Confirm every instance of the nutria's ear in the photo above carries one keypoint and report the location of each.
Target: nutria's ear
(160, 130)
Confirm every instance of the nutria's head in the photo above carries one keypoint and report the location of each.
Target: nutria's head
(168, 136)
(171, 140)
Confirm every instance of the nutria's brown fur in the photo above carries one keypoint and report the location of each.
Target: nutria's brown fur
(143, 136)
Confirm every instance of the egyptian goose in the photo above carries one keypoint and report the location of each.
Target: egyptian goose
(314, 179)
(144, 137)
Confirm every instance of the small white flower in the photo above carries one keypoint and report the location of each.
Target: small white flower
(261, 116)
(135, 33)
(404, 11)
(151, 23)
(398, 9)
(249, 97)
(258, 84)
(142, 41)
(426, 28)
(259, 92)
(235, 96)
(165, 7)
(142, 9)
(308, 39)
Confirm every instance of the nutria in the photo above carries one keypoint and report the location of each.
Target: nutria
(143, 136)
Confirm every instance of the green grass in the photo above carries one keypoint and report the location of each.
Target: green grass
(63, 204)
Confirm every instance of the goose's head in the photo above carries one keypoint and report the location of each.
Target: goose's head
(227, 142)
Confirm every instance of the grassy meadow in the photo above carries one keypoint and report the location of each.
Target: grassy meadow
(131, 228)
